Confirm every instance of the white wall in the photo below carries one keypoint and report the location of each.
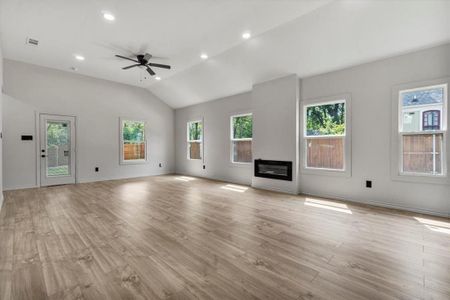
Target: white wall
(274, 105)
(97, 105)
(1, 122)
(216, 115)
(370, 86)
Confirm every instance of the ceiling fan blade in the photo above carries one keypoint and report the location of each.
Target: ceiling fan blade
(150, 71)
(124, 57)
(159, 65)
(132, 66)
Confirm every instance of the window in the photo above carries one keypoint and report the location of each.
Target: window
(241, 138)
(325, 135)
(194, 139)
(132, 140)
(422, 130)
(431, 120)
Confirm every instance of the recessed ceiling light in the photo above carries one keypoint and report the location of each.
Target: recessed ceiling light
(108, 16)
(204, 56)
(246, 35)
(158, 78)
(79, 57)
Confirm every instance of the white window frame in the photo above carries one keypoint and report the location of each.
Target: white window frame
(347, 169)
(397, 134)
(188, 141)
(232, 139)
(121, 154)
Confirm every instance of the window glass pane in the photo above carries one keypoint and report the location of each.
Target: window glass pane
(242, 151)
(326, 119)
(325, 153)
(133, 140)
(422, 153)
(195, 131)
(58, 148)
(242, 127)
(421, 109)
(195, 150)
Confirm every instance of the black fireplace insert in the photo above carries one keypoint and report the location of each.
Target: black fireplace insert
(274, 169)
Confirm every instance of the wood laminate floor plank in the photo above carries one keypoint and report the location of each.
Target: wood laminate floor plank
(168, 237)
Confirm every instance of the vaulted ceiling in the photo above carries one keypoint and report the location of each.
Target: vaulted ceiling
(305, 37)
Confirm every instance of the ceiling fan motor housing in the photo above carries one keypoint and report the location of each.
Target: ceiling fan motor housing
(144, 58)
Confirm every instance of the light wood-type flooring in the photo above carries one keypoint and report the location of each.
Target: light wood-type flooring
(177, 237)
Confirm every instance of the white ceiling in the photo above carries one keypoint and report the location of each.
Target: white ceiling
(289, 36)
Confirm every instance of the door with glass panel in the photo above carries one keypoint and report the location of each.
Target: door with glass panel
(57, 149)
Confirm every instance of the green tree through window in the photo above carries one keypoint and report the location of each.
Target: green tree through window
(242, 127)
(325, 119)
(133, 131)
(57, 133)
(195, 131)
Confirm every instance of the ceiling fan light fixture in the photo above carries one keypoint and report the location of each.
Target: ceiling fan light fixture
(108, 16)
(246, 35)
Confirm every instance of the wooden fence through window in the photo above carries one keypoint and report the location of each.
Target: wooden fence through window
(194, 150)
(325, 153)
(242, 151)
(134, 151)
(418, 154)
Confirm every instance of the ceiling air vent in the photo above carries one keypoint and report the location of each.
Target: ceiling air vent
(32, 42)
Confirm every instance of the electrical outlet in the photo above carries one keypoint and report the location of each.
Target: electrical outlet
(369, 184)
(96, 169)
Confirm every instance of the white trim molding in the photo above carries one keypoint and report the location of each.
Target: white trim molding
(201, 140)
(347, 170)
(122, 160)
(232, 139)
(396, 134)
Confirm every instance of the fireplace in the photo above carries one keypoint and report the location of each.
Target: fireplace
(274, 169)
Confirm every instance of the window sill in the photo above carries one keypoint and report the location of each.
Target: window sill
(133, 162)
(424, 179)
(240, 164)
(326, 172)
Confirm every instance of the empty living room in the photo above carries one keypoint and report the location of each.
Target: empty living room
(224, 149)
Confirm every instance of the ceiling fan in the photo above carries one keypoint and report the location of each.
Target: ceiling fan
(142, 60)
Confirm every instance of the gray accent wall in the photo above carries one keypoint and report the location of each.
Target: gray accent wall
(275, 128)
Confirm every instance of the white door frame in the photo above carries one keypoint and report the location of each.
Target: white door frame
(42, 179)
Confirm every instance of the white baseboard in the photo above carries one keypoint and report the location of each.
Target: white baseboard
(382, 204)
(22, 187)
(19, 187)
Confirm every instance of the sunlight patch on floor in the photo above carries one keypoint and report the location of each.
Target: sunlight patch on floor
(184, 178)
(330, 205)
(434, 225)
(234, 188)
